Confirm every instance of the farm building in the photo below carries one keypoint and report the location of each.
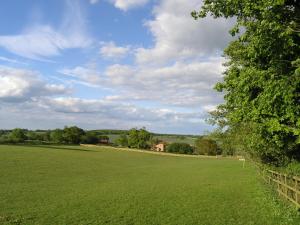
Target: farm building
(160, 147)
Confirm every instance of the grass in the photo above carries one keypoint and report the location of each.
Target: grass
(79, 185)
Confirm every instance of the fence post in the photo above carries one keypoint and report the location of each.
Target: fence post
(286, 188)
(296, 189)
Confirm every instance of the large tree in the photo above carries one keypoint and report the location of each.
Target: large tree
(262, 79)
(72, 135)
(139, 138)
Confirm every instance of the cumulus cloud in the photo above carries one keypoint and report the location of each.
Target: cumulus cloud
(19, 85)
(177, 36)
(128, 4)
(41, 41)
(116, 111)
(46, 113)
(180, 84)
(112, 51)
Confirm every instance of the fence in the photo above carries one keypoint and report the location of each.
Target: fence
(287, 186)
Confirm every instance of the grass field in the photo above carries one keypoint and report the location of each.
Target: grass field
(66, 185)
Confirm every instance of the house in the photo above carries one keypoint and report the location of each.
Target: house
(160, 147)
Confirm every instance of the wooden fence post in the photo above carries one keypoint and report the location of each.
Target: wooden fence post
(296, 188)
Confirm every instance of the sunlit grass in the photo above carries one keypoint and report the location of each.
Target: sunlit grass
(77, 185)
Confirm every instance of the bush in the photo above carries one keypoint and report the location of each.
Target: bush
(182, 148)
(206, 146)
(90, 138)
(17, 136)
(122, 140)
(293, 168)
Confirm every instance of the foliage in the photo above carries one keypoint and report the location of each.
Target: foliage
(262, 79)
(206, 146)
(90, 138)
(72, 135)
(139, 138)
(57, 136)
(17, 135)
(122, 140)
(182, 148)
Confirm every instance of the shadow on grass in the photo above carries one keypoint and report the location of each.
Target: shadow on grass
(61, 147)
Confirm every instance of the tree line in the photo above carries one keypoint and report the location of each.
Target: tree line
(68, 135)
(134, 138)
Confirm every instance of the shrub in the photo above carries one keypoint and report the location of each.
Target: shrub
(206, 146)
(122, 140)
(17, 136)
(182, 148)
(90, 138)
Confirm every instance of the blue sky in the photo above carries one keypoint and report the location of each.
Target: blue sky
(109, 64)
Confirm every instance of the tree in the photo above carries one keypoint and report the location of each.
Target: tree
(182, 148)
(90, 138)
(206, 146)
(57, 136)
(17, 135)
(139, 138)
(122, 140)
(262, 79)
(72, 135)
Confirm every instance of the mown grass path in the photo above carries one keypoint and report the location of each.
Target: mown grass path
(68, 185)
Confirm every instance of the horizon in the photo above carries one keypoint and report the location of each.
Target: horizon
(110, 63)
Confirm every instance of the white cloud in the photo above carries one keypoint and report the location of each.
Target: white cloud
(49, 113)
(88, 75)
(178, 36)
(128, 4)
(13, 61)
(18, 85)
(111, 50)
(42, 41)
(180, 84)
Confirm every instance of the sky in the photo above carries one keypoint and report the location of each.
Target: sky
(109, 64)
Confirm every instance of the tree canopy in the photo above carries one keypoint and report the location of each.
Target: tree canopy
(139, 138)
(262, 77)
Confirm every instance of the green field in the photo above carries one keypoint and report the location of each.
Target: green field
(67, 185)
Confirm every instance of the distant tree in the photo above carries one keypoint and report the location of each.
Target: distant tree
(122, 140)
(206, 146)
(155, 141)
(72, 135)
(182, 148)
(90, 138)
(4, 138)
(31, 135)
(46, 136)
(17, 135)
(57, 136)
(139, 138)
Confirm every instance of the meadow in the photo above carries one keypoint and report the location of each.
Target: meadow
(101, 185)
